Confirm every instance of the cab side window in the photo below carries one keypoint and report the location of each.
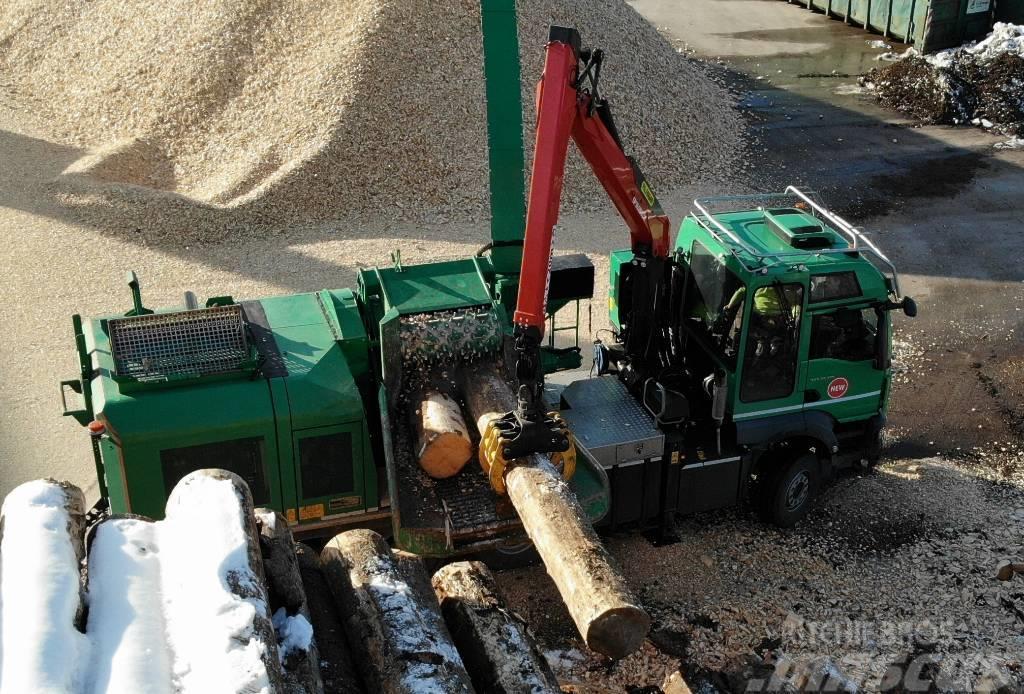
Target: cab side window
(773, 342)
(845, 334)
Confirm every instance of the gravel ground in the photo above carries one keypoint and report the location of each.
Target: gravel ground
(214, 118)
(894, 564)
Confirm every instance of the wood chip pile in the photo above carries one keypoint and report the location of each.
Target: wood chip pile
(199, 118)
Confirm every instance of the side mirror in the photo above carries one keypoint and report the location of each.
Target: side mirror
(909, 307)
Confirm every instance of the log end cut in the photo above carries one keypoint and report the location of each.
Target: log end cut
(618, 631)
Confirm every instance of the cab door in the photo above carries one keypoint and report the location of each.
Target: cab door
(771, 373)
(845, 375)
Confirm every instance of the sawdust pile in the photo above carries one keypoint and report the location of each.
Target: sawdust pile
(199, 118)
(982, 84)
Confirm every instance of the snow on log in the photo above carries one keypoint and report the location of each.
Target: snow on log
(495, 643)
(218, 615)
(126, 624)
(443, 446)
(41, 548)
(599, 601)
(396, 632)
(336, 667)
(292, 621)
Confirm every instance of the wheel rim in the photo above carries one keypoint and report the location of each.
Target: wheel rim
(797, 491)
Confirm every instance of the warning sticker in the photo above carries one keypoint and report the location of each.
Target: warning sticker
(312, 512)
(838, 387)
(976, 6)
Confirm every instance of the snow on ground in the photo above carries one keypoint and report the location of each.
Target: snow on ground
(42, 650)
(1012, 143)
(1004, 38)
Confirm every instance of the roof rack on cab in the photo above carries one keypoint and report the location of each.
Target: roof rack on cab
(706, 209)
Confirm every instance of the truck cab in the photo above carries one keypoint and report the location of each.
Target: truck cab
(773, 369)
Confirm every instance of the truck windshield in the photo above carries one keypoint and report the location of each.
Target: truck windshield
(714, 297)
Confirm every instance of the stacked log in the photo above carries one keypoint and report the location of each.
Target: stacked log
(495, 644)
(336, 668)
(600, 602)
(127, 625)
(396, 631)
(215, 587)
(41, 547)
(288, 600)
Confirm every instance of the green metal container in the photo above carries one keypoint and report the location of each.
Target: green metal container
(1010, 11)
(929, 25)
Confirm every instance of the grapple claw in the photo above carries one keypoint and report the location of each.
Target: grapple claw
(508, 439)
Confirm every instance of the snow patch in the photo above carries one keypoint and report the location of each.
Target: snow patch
(1004, 38)
(409, 631)
(1012, 143)
(211, 629)
(127, 629)
(294, 633)
(563, 661)
(42, 651)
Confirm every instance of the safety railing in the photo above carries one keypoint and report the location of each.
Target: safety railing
(858, 242)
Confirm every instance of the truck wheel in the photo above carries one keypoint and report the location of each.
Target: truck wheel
(793, 491)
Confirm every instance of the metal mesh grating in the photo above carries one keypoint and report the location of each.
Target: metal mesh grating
(185, 343)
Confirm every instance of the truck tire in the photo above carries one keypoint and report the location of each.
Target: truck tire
(793, 491)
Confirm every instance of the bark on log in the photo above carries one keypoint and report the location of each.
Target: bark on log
(286, 592)
(443, 446)
(495, 644)
(336, 668)
(592, 587)
(214, 544)
(397, 633)
(41, 607)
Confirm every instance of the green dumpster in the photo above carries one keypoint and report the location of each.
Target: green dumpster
(930, 25)
(859, 12)
(1010, 11)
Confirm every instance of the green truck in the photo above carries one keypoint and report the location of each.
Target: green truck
(781, 313)
(749, 361)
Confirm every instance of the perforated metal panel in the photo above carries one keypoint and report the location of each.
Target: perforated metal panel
(185, 343)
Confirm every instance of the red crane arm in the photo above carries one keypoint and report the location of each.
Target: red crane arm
(565, 108)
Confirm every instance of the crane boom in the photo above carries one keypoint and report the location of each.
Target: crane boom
(569, 106)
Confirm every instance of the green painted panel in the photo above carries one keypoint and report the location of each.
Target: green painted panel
(859, 11)
(433, 287)
(1010, 11)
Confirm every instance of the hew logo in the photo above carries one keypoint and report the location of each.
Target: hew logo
(838, 387)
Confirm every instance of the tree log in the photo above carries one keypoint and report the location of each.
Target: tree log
(287, 593)
(397, 633)
(592, 587)
(336, 668)
(215, 586)
(127, 624)
(443, 446)
(495, 644)
(41, 549)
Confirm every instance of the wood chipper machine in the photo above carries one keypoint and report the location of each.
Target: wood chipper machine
(750, 359)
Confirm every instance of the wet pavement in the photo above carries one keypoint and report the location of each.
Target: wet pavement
(941, 201)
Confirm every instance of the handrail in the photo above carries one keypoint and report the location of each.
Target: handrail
(855, 235)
